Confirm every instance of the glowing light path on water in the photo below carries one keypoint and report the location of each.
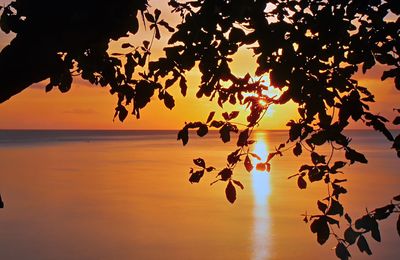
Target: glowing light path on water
(261, 192)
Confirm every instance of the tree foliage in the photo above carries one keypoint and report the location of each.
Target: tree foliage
(310, 50)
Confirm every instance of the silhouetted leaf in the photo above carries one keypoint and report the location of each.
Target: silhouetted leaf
(149, 17)
(295, 131)
(199, 162)
(243, 137)
(396, 121)
(383, 212)
(1, 203)
(157, 14)
(225, 115)
(202, 131)
(184, 136)
(196, 176)
(129, 66)
(166, 26)
(397, 198)
(320, 226)
(339, 180)
(121, 112)
(389, 74)
(233, 115)
(225, 174)
(335, 208)
(49, 87)
(337, 165)
(297, 149)
(322, 206)
(169, 100)
(353, 156)
(337, 190)
(126, 45)
(398, 225)
(217, 124)
(375, 233)
(238, 183)
(183, 86)
(342, 252)
(301, 183)
(247, 164)
(348, 218)
(350, 235)
(210, 169)
(317, 159)
(210, 117)
(368, 224)
(225, 133)
(230, 192)
(363, 245)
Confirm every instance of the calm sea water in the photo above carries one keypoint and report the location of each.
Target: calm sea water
(126, 195)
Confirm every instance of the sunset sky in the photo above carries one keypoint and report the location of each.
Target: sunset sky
(92, 107)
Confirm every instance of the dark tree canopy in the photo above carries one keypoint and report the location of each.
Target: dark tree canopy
(51, 35)
(310, 49)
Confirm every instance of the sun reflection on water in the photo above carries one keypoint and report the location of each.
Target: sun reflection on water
(261, 192)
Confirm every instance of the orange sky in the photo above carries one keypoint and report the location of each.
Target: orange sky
(92, 107)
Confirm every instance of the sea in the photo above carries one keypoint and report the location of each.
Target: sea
(91, 194)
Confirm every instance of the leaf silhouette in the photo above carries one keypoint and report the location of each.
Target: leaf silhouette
(126, 45)
(233, 115)
(354, 156)
(210, 116)
(320, 226)
(230, 192)
(297, 150)
(350, 235)
(199, 162)
(335, 208)
(202, 131)
(322, 206)
(225, 174)
(243, 137)
(169, 101)
(348, 218)
(342, 252)
(337, 165)
(196, 176)
(363, 245)
(238, 183)
(301, 183)
(225, 132)
(210, 169)
(184, 136)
